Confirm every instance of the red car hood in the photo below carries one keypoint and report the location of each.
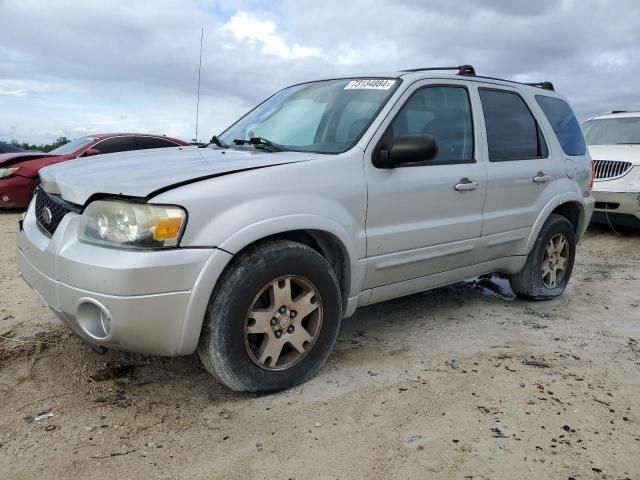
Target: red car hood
(8, 159)
(30, 162)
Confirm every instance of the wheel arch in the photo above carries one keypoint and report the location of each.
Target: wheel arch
(572, 211)
(569, 206)
(318, 233)
(322, 234)
(327, 245)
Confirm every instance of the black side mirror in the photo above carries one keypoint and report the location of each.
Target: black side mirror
(407, 149)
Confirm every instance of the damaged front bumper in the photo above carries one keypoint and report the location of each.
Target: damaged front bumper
(142, 301)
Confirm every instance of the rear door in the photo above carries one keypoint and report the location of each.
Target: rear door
(520, 168)
(426, 217)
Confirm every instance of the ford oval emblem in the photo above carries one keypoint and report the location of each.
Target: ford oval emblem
(47, 216)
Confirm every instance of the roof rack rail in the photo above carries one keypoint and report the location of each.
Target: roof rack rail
(462, 69)
(545, 85)
(468, 70)
(619, 111)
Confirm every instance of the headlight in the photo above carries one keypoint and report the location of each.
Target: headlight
(7, 172)
(122, 224)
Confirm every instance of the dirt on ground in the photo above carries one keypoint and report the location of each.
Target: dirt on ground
(463, 382)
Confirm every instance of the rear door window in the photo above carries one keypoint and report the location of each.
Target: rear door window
(512, 131)
(116, 144)
(143, 143)
(564, 124)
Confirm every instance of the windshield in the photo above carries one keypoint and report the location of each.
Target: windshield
(323, 117)
(73, 146)
(612, 131)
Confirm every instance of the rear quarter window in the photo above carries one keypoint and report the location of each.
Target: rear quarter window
(564, 124)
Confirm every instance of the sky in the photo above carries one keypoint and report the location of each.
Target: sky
(70, 68)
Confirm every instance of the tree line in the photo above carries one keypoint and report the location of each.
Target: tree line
(41, 148)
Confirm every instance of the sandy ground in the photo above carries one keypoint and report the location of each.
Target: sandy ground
(541, 390)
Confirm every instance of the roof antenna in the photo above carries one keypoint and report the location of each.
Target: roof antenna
(199, 70)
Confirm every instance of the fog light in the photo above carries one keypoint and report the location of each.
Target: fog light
(94, 319)
(106, 323)
(5, 198)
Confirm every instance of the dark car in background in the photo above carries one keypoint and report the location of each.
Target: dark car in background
(19, 170)
(9, 148)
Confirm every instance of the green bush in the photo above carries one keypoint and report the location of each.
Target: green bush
(42, 148)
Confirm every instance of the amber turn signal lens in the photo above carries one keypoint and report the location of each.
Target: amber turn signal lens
(167, 229)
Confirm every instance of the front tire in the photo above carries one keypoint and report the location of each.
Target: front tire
(272, 319)
(550, 262)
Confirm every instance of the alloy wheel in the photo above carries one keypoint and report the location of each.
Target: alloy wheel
(555, 260)
(283, 323)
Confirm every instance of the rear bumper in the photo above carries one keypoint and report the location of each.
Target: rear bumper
(16, 192)
(142, 301)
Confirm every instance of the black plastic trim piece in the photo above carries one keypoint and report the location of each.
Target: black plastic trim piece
(431, 163)
(466, 70)
(537, 85)
(544, 85)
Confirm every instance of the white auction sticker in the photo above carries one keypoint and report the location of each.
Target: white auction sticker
(370, 84)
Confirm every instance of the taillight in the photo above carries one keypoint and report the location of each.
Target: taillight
(593, 174)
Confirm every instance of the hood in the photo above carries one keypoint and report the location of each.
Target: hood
(624, 153)
(8, 159)
(145, 173)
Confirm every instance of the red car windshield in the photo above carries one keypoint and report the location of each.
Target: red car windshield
(73, 146)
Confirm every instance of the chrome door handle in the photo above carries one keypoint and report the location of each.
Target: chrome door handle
(466, 185)
(541, 178)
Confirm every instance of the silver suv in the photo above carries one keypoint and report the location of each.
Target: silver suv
(328, 196)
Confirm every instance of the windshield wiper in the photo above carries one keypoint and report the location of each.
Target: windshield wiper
(628, 143)
(260, 142)
(217, 142)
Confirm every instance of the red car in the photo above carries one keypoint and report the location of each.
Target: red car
(19, 171)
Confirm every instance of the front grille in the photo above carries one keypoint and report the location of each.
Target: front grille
(610, 169)
(50, 210)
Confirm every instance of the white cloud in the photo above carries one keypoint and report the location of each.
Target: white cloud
(262, 34)
(70, 67)
(611, 60)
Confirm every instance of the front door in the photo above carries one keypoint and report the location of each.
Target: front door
(426, 217)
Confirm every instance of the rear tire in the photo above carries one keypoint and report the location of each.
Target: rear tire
(550, 262)
(272, 319)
